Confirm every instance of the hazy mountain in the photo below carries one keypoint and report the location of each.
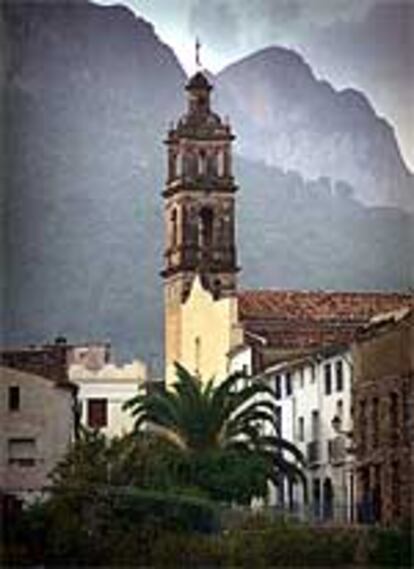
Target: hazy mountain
(285, 117)
(88, 101)
(316, 235)
(86, 104)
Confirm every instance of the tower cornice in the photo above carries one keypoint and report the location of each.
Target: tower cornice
(193, 187)
(203, 133)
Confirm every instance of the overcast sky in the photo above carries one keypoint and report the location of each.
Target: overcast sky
(366, 44)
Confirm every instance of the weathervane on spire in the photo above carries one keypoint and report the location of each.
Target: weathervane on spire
(197, 52)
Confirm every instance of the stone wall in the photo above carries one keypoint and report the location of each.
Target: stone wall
(384, 426)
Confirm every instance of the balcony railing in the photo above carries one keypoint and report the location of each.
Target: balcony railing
(313, 453)
(336, 450)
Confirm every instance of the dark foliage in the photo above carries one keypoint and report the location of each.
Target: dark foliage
(124, 529)
(224, 435)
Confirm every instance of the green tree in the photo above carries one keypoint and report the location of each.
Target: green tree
(95, 462)
(106, 493)
(219, 433)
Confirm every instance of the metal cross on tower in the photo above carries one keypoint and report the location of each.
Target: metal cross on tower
(197, 52)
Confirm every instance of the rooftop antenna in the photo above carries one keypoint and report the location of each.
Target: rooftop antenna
(197, 53)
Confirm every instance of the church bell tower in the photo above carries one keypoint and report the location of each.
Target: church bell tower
(199, 209)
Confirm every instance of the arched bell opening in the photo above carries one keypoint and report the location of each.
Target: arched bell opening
(206, 223)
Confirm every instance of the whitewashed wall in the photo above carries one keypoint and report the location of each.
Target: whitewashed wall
(308, 395)
(115, 384)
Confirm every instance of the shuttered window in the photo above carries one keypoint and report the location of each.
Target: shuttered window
(22, 451)
(328, 378)
(14, 398)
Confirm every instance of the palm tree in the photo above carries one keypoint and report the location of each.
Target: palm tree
(198, 418)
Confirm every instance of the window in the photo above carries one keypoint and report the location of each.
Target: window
(179, 164)
(97, 413)
(375, 422)
(339, 375)
(201, 163)
(278, 419)
(313, 373)
(315, 425)
(206, 227)
(172, 164)
(301, 429)
(302, 378)
(327, 369)
(316, 497)
(212, 164)
(21, 451)
(394, 417)
(190, 164)
(216, 289)
(278, 387)
(395, 489)
(377, 493)
(363, 424)
(174, 228)
(14, 398)
(288, 379)
(220, 167)
(406, 411)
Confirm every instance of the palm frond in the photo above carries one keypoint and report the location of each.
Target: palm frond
(279, 444)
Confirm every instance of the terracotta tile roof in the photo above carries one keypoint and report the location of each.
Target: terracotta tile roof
(299, 319)
(318, 305)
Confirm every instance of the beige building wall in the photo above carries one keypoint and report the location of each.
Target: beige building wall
(34, 437)
(172, 325)
(208, 331)
(390, 354)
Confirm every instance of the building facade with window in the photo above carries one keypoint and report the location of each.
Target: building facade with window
(37, 423)
(314, 394)
(384, 418)
(103, 389)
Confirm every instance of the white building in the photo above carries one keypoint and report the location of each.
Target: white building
(315, 414)
(103, 389)
(240, 360)
(314, 393)
(37, 423)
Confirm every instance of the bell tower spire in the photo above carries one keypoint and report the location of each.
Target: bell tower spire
(199, 207)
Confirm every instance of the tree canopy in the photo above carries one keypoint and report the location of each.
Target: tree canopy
(225, 436)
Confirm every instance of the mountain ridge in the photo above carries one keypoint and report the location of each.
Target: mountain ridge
(289, 133)
(88, 99)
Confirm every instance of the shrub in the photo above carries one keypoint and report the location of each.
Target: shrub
(280, 545)
(391, 547)
(173, 512)
(291, 545)
(172, 550)
(116, 525)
